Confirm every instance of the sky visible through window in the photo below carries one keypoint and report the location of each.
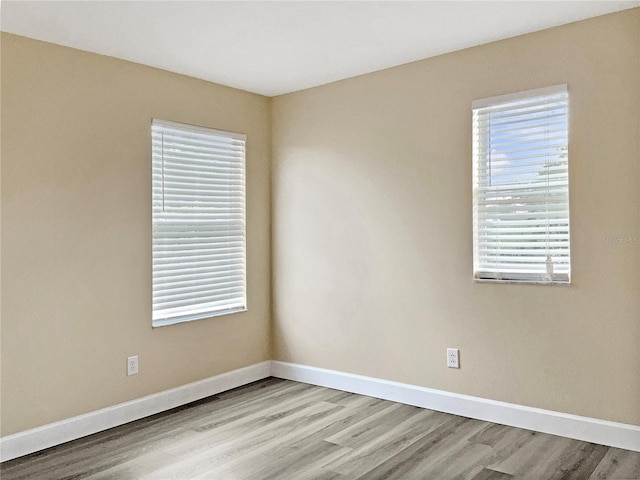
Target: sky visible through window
(520, 154)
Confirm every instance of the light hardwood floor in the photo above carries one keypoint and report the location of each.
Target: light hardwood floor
(278, 429)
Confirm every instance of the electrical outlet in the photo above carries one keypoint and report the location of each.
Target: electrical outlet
(132, 365)
(453, 358)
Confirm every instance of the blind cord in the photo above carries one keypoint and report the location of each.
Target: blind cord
(162, 169)
(498, 254)
(549, 261)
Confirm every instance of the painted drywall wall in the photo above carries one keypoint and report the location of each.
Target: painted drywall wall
(76, 233)
(372, 233)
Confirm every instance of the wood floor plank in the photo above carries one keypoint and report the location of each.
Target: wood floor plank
(462, 462)
(343, 398)
(552, 457)
(487, 474)
(250, 445)
(243, 447)
(237, 411)
(504, 440)
(579, 461)
(374, 426)
(133, 468)
(321, 474)
(396, 439)
(281, 463)
(263, 450)
(355, 410)
(105, 450)
(618, 464)
(267, 419)
(427, 451)
(278, 429)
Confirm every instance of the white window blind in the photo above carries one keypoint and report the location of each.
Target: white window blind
(199, 267)
(521, 187)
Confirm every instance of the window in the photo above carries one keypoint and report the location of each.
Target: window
(199, 267)
(521, 187)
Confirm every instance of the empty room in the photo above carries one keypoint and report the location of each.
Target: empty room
(320, 240)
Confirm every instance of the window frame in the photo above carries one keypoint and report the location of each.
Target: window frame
(193, 220)
(482, 186)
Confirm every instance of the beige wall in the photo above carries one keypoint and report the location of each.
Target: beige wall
(76, 233)
(372, 227)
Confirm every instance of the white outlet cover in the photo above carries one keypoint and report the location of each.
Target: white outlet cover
(453, 358)
(132, 365)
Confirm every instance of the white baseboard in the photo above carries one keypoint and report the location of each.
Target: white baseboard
(572, 426)
(35, 439)
(620, 435)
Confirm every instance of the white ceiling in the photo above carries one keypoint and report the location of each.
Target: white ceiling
(273, 48)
